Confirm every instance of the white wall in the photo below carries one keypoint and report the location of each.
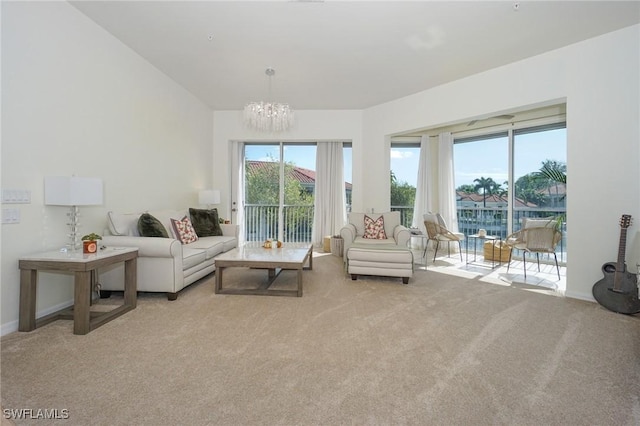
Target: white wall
(75, 100)
(344, 125)
(599, 79)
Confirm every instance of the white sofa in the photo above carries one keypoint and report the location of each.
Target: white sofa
(353, 232)
(164, 264)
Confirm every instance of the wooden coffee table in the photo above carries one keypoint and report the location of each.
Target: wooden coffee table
(292, 256)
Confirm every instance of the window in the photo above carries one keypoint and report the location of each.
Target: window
(481, 179)
(405, 158)
(539, 173)
(486, 197)
(279, 189)
(347, 158)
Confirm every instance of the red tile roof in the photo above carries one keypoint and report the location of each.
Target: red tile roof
(302, 175)
(477, 198)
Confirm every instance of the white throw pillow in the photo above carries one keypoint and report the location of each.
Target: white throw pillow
(123, 223)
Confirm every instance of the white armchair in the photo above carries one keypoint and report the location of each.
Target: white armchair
(354, 231)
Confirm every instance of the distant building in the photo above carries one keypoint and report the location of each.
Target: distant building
(557, 193)
(473, 200)
(306, 177)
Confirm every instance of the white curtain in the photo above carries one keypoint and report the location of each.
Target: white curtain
(237, 184)
(424, 187)
(447, 198)
(330, 209)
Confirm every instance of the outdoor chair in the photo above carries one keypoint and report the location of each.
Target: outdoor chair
(536, 236)
(437, 231)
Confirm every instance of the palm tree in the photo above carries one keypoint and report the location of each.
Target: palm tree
(554, 172)
(488, 186)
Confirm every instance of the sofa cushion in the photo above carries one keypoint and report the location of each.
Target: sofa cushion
(212, 246)
(149, 226)
(374, 229)
(183, 230)
(192, 257)
(391, 220)
(123, 223)
(205, 222)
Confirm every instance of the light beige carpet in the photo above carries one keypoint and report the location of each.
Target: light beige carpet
(441, 350)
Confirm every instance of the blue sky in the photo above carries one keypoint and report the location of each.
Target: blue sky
(487, 158)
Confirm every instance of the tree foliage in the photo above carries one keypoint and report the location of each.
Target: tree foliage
(537, 187)
(402, 195)
(488, 186)
(263, 185)
(467, 189)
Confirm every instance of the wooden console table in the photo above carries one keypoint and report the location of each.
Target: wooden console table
(83, 266)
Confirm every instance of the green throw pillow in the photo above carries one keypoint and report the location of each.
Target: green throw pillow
(149, 226)
(205, 222)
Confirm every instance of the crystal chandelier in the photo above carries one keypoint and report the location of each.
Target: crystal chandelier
(268, 116)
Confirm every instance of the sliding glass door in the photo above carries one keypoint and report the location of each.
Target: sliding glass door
(539, 173)
(482, 188)
(532, 158)
(404, 162)
(279, 188)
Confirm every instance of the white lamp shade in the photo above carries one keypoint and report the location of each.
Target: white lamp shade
(72, 191)
(209, 196)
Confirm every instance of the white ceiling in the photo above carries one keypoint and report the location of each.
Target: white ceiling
(343, 54)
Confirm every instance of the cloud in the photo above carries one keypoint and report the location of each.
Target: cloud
(400, 154)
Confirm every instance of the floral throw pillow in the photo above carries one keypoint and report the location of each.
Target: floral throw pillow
(374, 229)
(184, 230)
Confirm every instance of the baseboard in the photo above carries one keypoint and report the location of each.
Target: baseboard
(581, 296)
(12, 326)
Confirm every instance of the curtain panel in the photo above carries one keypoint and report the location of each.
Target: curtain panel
(423, 202)
(237, 182)
(330, 205)
(446, 180)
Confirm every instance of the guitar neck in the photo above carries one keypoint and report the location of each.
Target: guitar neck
(621, 249)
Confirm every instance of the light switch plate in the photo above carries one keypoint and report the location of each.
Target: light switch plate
(10, 215)
(16, 196)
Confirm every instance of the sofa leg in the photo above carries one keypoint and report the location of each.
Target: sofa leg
(105, 294)
(405, 280)
(354, 277)
(172, 296)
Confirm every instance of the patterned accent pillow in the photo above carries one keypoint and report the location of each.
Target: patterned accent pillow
(184, 230)
(374, 229)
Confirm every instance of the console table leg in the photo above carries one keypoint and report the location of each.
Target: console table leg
(218, 280)
(28, 286)
(81, 310)
(130, 282)
(300, 282)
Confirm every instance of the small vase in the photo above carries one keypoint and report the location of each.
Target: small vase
(89, 246)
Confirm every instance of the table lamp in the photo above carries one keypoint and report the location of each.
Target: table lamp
(209, 197)
(72, 192)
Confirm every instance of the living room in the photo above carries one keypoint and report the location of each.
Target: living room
(77, 101)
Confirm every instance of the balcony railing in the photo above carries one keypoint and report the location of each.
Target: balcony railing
(494, 220)
(262, 222)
